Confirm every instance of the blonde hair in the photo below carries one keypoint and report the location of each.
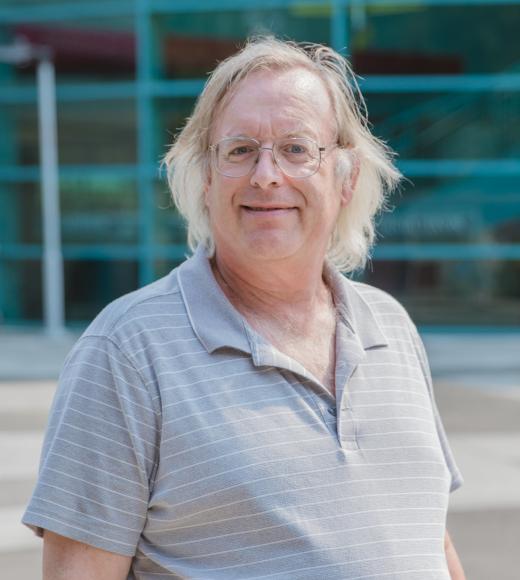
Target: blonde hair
(188, 161)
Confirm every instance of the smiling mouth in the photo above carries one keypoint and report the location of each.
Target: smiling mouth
(266, 209)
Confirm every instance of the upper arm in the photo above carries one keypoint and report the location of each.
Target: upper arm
(100, 452)
(64, 559)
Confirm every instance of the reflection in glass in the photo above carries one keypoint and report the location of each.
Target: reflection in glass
(454, 210)
(193, 43)
(419, 39)
(91, 284)
(21, 297)
(447, 126)
(472, 292)
(99, 210)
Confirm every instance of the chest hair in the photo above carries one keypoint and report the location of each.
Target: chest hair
(314, 347)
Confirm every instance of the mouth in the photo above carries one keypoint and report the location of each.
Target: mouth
(270, 209)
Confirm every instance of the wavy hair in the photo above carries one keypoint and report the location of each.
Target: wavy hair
(188, 161)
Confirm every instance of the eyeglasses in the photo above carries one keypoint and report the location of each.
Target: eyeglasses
(297, 157)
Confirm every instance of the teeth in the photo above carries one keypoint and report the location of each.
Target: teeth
(264, 208)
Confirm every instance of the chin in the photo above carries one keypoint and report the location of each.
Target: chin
(270, 247)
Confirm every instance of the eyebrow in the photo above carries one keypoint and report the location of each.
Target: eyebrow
(304, 131)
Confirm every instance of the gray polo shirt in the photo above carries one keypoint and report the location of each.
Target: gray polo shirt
(178, 435)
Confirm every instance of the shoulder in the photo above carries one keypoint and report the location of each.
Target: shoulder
(391, 316)
(104, 358)
(380, 302)
(395, 323)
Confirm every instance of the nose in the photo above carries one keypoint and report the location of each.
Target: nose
(266, 172)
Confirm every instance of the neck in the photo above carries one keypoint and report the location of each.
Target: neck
(272, 288)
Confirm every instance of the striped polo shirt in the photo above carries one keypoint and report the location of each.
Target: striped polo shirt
(180, 436)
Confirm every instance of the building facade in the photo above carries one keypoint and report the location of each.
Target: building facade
(442, 84)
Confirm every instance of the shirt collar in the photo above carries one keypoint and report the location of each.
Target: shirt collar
(353, 310)
(218, 324)
(214, 319)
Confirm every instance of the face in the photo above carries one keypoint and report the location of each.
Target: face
(267, 215)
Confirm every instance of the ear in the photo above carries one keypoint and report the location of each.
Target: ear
(350, 180)
(205, 188)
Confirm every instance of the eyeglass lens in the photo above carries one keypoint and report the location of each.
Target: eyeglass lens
(296, 157)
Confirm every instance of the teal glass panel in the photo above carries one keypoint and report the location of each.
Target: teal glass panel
(99, 210)
(482, 125)
(20, 207)
(421, 39)
(92, 132)
(169, 227)
(92, 284)
(97, 132)
(470, 293)
(165, 266)
(191, 44)
(57, 3)
(170, 117)
(454, 210)
(95, 209)
(21, 298)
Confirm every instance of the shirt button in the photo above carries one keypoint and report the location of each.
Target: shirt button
(332, 411)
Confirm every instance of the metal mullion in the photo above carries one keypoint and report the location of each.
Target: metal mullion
(441, 83)
(75, 92)
(459, 167)
(20, 252)
(412, 167)
(31, 173)
(170, 7)
(446, 251)
(71, 92)
(447, 3)
(177, 88)
(339, 23)
(55, 12)
(144, 139)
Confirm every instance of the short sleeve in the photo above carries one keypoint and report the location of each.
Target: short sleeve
(100, 451)
(456, 477)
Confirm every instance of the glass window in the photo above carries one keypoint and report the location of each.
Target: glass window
(97, 132)
(420, 39)
(94, 209)
(477, 292)
(169, 225)
(89, 133)
(170, 117)
(454, 210)
(447, 126)
(165, 266)
(21, 291)
(20, 213)
(91, 284)
(191, 44)
(83, 50)
(99, 210)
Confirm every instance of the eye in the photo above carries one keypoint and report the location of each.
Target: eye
(294, 148)
(240, 150)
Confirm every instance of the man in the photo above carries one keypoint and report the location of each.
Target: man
(254, 414)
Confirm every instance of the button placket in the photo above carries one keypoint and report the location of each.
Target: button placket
(347, 430)
(349, 353)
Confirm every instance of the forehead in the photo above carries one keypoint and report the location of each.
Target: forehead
(278, 102)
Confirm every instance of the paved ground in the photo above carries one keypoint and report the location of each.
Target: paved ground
(480, 407)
